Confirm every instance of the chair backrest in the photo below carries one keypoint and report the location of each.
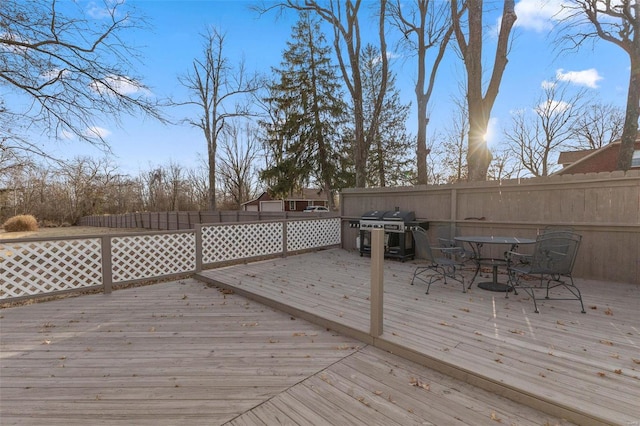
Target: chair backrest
(553, 229)
(421, 241)
(555, 253)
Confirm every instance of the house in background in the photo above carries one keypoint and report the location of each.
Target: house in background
(293, 203)
(595, 160)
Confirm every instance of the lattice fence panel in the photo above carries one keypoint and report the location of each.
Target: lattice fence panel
(241, 241)
(149, 256)
(306, 234)
(40, 267)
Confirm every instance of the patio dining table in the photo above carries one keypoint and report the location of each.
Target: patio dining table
(477, 243)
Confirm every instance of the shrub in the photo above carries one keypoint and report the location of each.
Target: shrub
(21, 223)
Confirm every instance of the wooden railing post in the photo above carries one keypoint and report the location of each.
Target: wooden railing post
(377, 281)
(107, 273)
(284, 238)
(198, 247)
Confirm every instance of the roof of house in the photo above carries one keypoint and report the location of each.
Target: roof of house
(590, 160)
(568, 157)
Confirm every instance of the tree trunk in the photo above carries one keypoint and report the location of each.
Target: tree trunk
(361, 149)
(630, 129)
(478, 154)
(212, 175)
(422, 152)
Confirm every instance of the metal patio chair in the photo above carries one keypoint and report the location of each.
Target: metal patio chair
(448, 265)
(553, 257)
(447, 240)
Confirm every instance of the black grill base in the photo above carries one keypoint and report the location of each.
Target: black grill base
(398, 245)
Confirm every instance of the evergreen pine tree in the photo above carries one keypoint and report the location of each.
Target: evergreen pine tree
(310, 112)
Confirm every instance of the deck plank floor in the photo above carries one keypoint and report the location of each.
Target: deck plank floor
(182, 352)
(583, 366)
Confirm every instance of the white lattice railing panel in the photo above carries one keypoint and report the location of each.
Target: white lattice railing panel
(306, 234)
(40, 267)
(149, 256)
(241, 241)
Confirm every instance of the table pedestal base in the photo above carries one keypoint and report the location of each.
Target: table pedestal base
(491, 286)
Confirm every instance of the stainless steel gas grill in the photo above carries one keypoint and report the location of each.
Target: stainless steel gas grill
(397, 225)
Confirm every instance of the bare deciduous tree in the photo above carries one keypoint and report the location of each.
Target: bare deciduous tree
(538, 134)
(598, 125)
(616, 22)
(470, 41)
(218, 90)
(237, 175)
(425, 25)
(69, 71)
(454, 159)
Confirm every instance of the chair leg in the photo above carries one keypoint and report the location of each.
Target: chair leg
(474, 276)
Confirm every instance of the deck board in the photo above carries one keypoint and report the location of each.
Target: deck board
(558, 360)
(183, 352)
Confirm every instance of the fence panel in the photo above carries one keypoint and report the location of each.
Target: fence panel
(306, 234)
(32, 268)
(239, 241)
(136, 257)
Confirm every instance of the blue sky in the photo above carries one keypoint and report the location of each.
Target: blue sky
(173, 41)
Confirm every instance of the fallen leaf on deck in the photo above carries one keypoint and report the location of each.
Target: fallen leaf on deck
(635, 361)
(362, 400)
(417, 383)
(608, 311)
(495, 417)
(601, 374)
(606, 342)
(299, 334)
(618, 371)
(520, 332)
(377, 393)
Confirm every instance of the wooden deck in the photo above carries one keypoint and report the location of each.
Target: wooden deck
(582, 367)
(183, 352)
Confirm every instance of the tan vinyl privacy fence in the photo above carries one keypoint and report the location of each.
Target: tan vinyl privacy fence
(603, 207)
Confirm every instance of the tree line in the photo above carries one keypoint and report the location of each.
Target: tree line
(329, 115)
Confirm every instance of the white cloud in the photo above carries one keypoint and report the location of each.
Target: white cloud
(546, 84)
(122, 85)
(105, 10)
(67, 135)
(539, 15)
(588, 78)
(551, 107)
(96, 131)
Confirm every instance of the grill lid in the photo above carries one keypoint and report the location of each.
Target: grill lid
(399, 215)
(374, 215)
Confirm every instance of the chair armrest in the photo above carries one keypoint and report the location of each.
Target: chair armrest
(451, 252)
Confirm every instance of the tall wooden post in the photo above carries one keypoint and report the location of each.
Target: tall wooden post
(377, 281)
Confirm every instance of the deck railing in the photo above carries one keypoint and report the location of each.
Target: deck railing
(32, 267)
